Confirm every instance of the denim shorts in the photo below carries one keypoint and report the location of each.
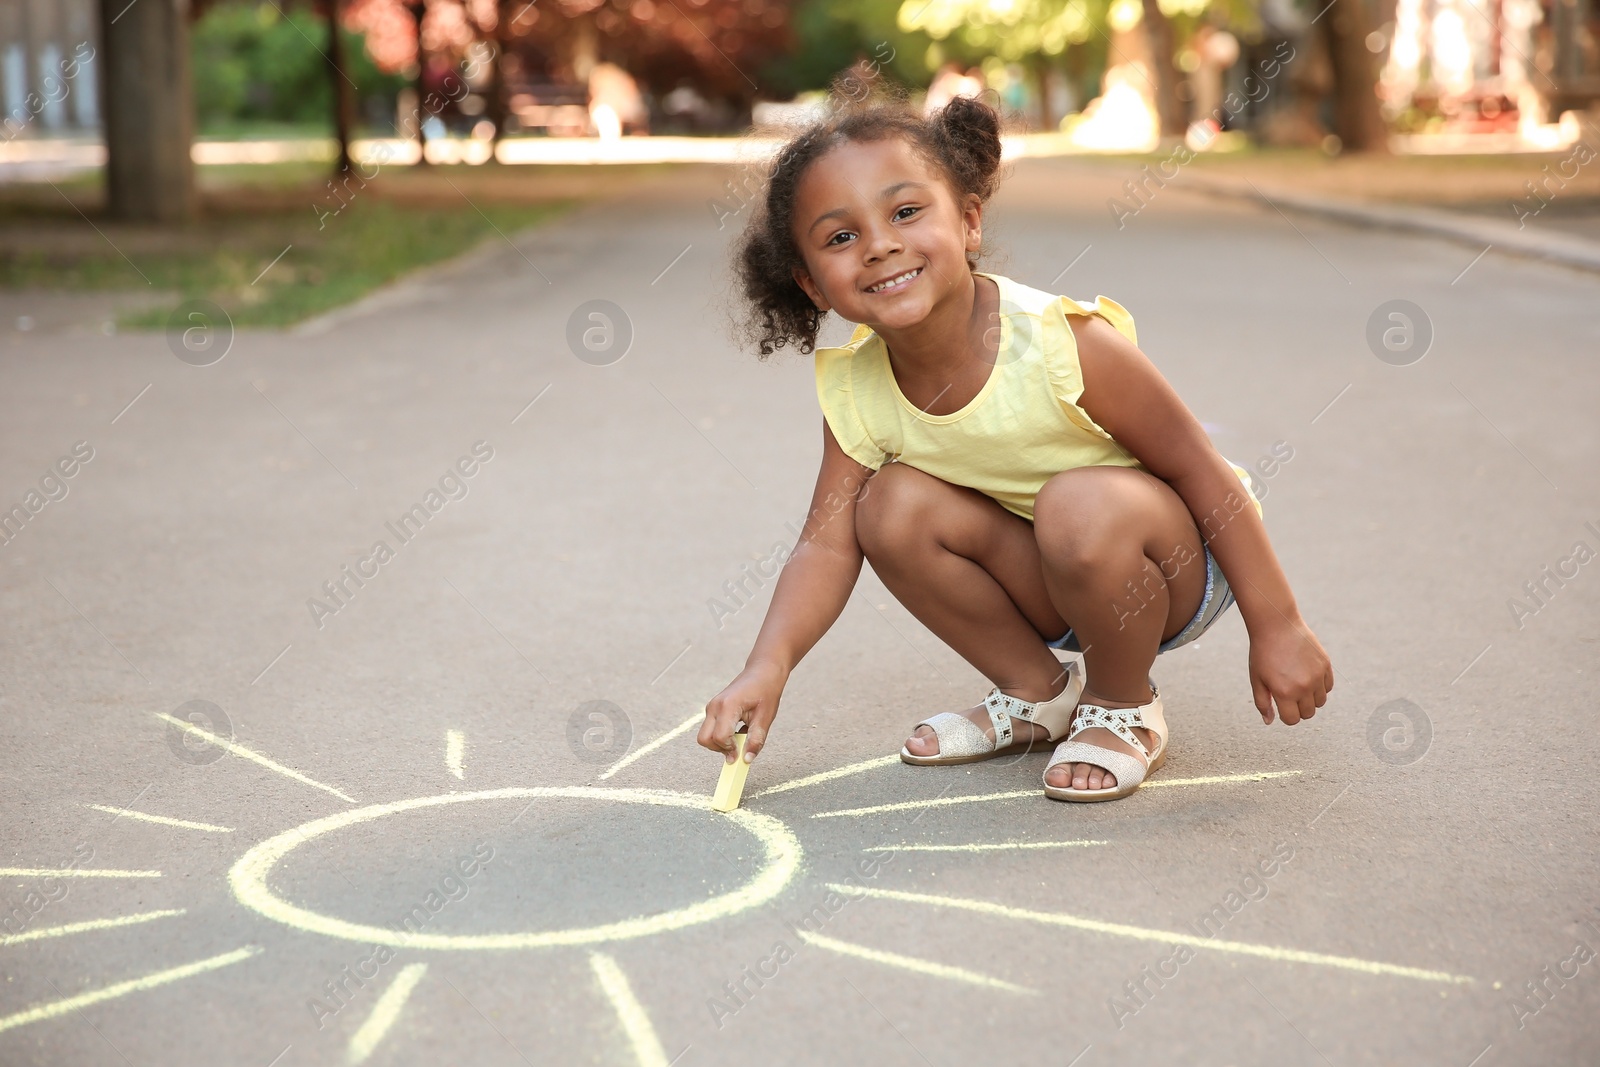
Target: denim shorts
(1217, 600)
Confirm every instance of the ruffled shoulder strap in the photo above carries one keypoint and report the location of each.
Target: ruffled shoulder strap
(835, 369)
(1107, 309)
(1061, 354)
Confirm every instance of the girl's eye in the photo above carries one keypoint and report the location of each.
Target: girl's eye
(901, 215)
(835, 238)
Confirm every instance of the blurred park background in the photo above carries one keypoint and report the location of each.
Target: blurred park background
(203, 138)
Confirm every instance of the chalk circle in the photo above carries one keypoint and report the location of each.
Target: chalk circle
(248, 877)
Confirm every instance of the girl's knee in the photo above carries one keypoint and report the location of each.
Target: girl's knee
(1100, 488)
(1088, 516)
(895, 507)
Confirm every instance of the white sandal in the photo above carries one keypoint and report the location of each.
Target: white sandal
(962, 741)
(1130, 771)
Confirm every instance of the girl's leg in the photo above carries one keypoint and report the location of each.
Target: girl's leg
(970, 571)
(1124, 564)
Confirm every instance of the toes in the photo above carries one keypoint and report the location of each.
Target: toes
(1080, 776)
(924, 742)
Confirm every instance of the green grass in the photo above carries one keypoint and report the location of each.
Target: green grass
(264, 129)
(223, 178)
(359, 250)
(221, 258)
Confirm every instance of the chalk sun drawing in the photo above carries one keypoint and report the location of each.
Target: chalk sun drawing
(782, 858)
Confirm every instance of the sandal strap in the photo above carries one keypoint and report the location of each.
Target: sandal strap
(1120, 721)
(1001, 707)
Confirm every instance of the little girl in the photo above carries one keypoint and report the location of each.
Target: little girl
(1020, 475)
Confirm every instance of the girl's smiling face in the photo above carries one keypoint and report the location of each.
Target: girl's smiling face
(883, 237)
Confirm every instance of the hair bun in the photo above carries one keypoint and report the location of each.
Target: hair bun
(972, 128)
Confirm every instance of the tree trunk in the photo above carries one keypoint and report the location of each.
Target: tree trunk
(1158, 31)
(1076, 64)
(1356, 118)
(417, 9)
(495, 107)
(1038, 69)
(343, 99)
(149, 117)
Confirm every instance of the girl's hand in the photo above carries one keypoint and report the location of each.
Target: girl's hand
(1289, 668)
(751, 698)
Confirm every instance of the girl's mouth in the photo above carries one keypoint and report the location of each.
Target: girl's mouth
(895, 284)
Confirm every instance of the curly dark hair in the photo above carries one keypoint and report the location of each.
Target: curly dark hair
(962, 140)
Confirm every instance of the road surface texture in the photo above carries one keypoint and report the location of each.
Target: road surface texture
(273, 795)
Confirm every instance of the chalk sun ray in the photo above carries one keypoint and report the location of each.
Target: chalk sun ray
(68, 929)
(384, 1013)
(52, 1009)
(455, 747)
(162, 820)
(255, 757)
(644, 750)
(911, 963)
(1164, 937)
(827, 776)
(1011, 794)
(647, 1050)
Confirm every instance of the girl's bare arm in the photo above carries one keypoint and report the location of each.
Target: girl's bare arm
(1126, 395)
(812, 590)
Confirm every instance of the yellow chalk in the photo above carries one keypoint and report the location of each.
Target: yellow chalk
(731, 785)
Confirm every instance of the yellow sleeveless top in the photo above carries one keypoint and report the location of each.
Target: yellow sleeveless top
(1024, 425)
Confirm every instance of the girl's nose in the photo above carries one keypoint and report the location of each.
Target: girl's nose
(881, 241)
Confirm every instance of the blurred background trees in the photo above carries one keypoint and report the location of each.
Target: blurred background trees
(701, 67)
(1342, 75)
(255, 71)
(1361, 67)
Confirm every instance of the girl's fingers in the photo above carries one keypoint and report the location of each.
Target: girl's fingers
(711, 735)
(716, 733)
(756, 735)
(1263, 698)
(1293, 709)
(727, 728)
(747, 710)
(704, 737)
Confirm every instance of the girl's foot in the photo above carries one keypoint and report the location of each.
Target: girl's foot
(926, 743)
(1087, 775)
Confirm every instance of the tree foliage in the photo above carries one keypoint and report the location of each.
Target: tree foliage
(254, 61)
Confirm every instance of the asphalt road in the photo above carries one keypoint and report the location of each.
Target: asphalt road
(1379, 886)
